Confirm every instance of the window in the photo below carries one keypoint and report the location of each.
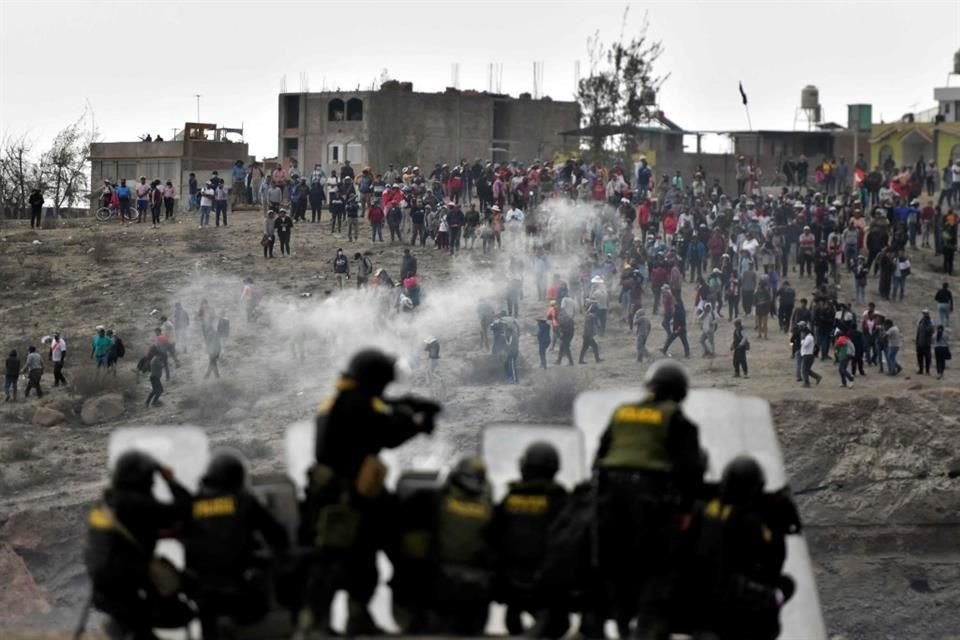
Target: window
(333, 154)
(355, 153)
(354, 110)
(291, 147)
(335, 110)
(291, 112)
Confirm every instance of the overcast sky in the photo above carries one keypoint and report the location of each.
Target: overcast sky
(138, 65)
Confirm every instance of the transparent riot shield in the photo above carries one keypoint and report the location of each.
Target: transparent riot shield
(502, 446)
(730, 425)
(185, 450)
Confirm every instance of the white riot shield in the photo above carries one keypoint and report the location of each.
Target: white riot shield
(730, 425)
(185, 450)
(502, 446)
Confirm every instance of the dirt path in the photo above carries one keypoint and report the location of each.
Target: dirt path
(877, 568)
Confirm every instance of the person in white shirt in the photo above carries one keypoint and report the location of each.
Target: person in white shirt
(207, 196)
(807, 354)
(900, 276)
(514, 221)
(58, 354)
(220, 203)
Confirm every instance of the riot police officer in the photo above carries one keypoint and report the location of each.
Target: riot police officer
(734, 562)
(220, 543)
(649, 470)
(443, 555)
(135, 590)
(463, 551)
(344, 510)
(521, 524)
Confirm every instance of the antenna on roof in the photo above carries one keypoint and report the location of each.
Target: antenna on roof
(490, 79)
(304, 82)
(455, 75)
(537, 80)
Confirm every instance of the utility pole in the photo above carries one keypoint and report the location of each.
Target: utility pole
(197, 96)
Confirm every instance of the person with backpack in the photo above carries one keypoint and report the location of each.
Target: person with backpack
(341, 268)
(364, 269)
(116, 352)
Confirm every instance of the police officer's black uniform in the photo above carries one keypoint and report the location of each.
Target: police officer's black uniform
(462, 550)
(521, 526)
(221, 540)
(649, 470)
(344, 511)
(732, 585)
(122, 533)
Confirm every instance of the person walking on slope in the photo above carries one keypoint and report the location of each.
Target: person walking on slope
(739, 348)
(808, 353)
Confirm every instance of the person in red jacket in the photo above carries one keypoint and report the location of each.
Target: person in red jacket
(658, 278)
(376, 217)
(715, 246)
(669, 225)
(644, 213)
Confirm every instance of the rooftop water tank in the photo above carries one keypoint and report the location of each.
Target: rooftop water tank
(810, 97)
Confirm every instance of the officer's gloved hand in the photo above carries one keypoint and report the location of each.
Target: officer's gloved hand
(165, 472)
(421, 405)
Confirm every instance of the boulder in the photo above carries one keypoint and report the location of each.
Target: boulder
(47, 417)
(21, 599)
(102, 408)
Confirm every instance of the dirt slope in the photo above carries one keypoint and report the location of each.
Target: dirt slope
(886, 562)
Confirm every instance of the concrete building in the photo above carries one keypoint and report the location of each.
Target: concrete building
(771, 148)
(200, 148)
(932, 135)
(400, 126)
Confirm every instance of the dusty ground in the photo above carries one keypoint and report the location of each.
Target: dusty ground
(885, 552)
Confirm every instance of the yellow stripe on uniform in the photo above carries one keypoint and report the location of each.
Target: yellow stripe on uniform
(214, 507)
(467, 509)
(99, 519)
(641, 415)
(520, 504)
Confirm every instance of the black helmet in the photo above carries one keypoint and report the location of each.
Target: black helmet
(372, 369)
(226, 471)
(134, 471)
(742, 481)
(540, 461)
(667, 380)
(470, 474)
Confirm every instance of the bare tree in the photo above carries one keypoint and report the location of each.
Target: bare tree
(65, 166)
(18, 174)
(620, 91)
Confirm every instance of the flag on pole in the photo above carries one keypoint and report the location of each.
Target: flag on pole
(743, 94)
